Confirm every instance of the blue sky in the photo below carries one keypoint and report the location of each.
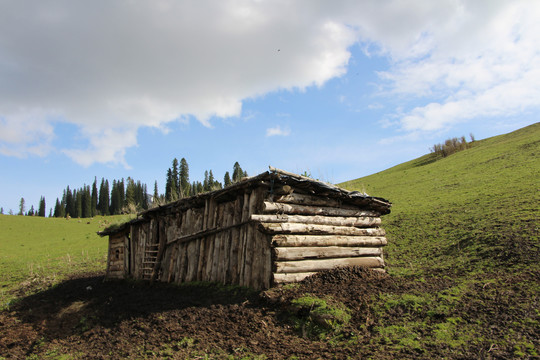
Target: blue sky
(341, 89)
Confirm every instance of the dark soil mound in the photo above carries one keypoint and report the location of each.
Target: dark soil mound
(88, 318)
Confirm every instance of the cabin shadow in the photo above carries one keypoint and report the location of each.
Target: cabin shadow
(81, 304)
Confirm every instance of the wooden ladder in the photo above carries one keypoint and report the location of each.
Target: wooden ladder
(149, 260)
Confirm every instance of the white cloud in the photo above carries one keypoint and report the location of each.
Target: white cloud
(278, 131)
(481, 60)
(121, 66)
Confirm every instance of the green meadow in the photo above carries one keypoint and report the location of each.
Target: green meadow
(473, 211)
(37, 251)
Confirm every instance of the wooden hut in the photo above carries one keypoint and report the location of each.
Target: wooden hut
(272, 228)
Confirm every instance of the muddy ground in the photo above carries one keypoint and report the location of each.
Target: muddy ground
(88, 318)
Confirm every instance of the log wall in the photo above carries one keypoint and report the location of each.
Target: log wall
(310, 234)
(256, 237)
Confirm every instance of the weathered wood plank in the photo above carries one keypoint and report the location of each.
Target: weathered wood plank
(326, 264)
(274, 207)
(364, 221)
(331, 252)
(266, 276)
(281, 278)
(327, 240)
(312, 200)
(243, 238)
(235, 240)
(250, 242)
(218, 239)
(291, 228)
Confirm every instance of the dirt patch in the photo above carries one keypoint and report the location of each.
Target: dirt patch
(88, 318)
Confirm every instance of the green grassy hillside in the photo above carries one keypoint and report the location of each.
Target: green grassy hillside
(473, 210)
(36, 251)
(467, 227)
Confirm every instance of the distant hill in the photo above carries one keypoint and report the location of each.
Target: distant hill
(473, 210)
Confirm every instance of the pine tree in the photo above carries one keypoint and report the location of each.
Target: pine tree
(211, 180)
(1, 211)
(184, 178)
(145, 204)
(94, 201)
(238, 173)
(155, 198)
(113, 207)
(227, 179)
(170, 188)
(103, 204)
(176, 180)
(21, 207)
(78, 203)
(121, 193)
(42, 207)
(31, 211)
(86, 208)
(206, 183)
(131, 197)
(58, 209)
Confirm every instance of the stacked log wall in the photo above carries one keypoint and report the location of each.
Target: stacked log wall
(311, 233)
(256, 236)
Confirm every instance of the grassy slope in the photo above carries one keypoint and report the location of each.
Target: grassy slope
(35, 249)
(467, 227)
(477, 208)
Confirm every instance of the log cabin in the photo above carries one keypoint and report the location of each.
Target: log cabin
(273, 228)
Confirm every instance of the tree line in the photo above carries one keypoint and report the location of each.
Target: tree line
(125, 196)
(130, 196)
(178, 185)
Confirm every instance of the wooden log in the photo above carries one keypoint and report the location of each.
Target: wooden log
(311, 200)
(204, 242)
(133, 240)
(281, 278)
(182, 251)
(243, 237)
(258, 238)
(326, 264)
(171, 275)
(282, 189)
(291, 228)
(365, 221)
(250, 242)
(218, 239)
(274, 207)
(235, 240)
(212, 214)
(224, 271)
(331, 252)
(327, 240)
(194, 246)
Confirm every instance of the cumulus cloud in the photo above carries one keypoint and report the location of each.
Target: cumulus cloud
(125, 65)
(113, 67)
(481, 60)
(278, 131)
